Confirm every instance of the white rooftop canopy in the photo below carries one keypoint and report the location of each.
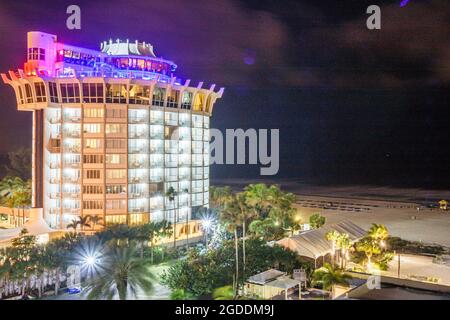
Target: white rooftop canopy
(313, 244)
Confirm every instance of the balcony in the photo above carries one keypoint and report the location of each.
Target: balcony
(138, 135)
(138, 179)
(138, 165)
(72, 134)
(156, 135)
(54, 210)
(53, 165)
(72, 119)
(138, 210)
(156, 121)
(172, 178)
(138, 120)
(74, 165)
(54, 145)
(54, 195)
(138, 195)
(156, 164)
(54, 120)
(75, 211)
(156, 150)
(156, 178)
(137, 150)
(72, 149)
(71, 179)
(54, 180)
(71, 195)
(172, 164)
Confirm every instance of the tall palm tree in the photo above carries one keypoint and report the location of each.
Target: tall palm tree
(344, 244)
(245, 214)
(333, 236)
(328, 277)
(231, 215)
(123, 275)
(171, 194)
(218, 196)
(257, 196)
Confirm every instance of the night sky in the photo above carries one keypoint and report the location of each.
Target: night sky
(354, 106)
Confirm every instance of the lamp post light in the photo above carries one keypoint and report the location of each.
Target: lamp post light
(207, 225)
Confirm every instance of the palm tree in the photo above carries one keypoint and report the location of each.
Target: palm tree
(344, 244)
(333, 236)
(218, 196)
(379, 233)
(231, 215)
(246, 214)
(80, 221)
(123, 275)
(95, 220)
(328, 277)
(370, 247)
(257, 197)
(171, 194)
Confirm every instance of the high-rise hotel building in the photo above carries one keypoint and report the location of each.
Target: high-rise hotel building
(114, 132)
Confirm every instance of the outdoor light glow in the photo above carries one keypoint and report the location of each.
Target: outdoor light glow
(207, 223)
(90, 261)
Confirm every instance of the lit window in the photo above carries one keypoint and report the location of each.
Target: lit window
(158, 96)
(116, 93)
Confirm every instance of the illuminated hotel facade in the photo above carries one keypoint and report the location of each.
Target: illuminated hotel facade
(113, 132)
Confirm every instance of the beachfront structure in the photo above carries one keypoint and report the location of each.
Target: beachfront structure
(115, 133)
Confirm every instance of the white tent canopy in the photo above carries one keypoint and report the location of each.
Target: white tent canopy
(313, 244)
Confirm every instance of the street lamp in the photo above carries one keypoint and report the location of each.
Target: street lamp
(207, 222)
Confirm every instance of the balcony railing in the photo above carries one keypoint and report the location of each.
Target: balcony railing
(72, 119)
(138, 179)
(156, 178)
(138, 165)
(54, 120)
(72, 164)
(72, 179)
(138, 120)
(54, 180)
(54, 195)
(138, 135)
(72, 134)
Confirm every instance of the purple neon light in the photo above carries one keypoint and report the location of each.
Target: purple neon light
(404, 3)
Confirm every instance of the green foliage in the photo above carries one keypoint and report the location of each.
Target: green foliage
(15, 192)
(122, 274)
(316, 220)
(414, 247)
(223, 293)
(19, 163)
(201, 273)
(328, 276)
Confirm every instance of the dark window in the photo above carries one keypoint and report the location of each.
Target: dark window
(28, 93)
(70, 93)
(92, 93)
(53, 92)
(40, 92)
